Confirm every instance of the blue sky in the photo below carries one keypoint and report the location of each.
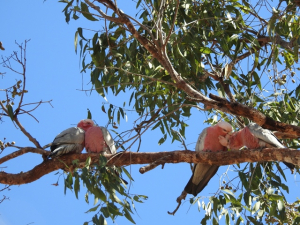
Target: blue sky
(53, 73)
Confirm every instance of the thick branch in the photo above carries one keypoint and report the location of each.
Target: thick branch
(281, 135)
(129, 158)
(238, 109)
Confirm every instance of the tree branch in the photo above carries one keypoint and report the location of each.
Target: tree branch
(22, 152)
(238, 109)
(129, 158)
(32, 139)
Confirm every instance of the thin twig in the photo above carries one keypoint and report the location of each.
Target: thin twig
(172, 26)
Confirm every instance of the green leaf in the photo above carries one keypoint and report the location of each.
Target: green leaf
(247, 198)
(70, 180)
(99, 194)
(257, 80)
(86, 198)
(215, 221)
(88, 162)
(138, 3)
(253, 220)
(93, 209)
(105, 212)
(244, 180)
(204, 220)
(127, 173)
(102, 220)
(114, 209)
(162, 140)
(102, 161)
(10, 111)
(86, 13)
(79, 30)
(76, 186)
(205, 50)
(95, 220)
(89, 116)
(239, 220)
(273, 197)
(128, 216)
(227, 219)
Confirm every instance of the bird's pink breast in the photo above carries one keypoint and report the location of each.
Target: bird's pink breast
(211, 142)
(94, 140)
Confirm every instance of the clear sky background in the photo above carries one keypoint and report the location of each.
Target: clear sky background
(53, 73)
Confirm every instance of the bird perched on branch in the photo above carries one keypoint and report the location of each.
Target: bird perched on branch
(253, 136)
(202, 172)
(70, 140)
(98, 139)
(94, 138)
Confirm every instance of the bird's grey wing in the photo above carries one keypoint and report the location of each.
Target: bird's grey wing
(69, 140)
(66, 148)
(268, 137)
(73, 135)
(200, 141)
(109, 140)
(265, 135)
(200, 178)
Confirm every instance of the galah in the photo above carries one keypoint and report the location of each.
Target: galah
(98, 139)
(70, 140)
(202, 172)
(253, 136)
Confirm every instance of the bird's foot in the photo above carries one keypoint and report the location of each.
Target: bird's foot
(223, 140)
(182, 196)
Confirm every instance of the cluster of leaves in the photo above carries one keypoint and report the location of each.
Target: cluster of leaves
(105, 184)
(257, 196)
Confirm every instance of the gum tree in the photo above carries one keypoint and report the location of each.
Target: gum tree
(231, 59)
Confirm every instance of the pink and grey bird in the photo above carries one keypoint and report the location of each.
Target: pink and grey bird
(252, 136)
(98, 139)
(70, 140)
(202, 172)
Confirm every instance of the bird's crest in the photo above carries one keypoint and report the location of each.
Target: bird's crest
(225, 125)
(85, 124)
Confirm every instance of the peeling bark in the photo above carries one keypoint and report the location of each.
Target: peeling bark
(130, 158)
